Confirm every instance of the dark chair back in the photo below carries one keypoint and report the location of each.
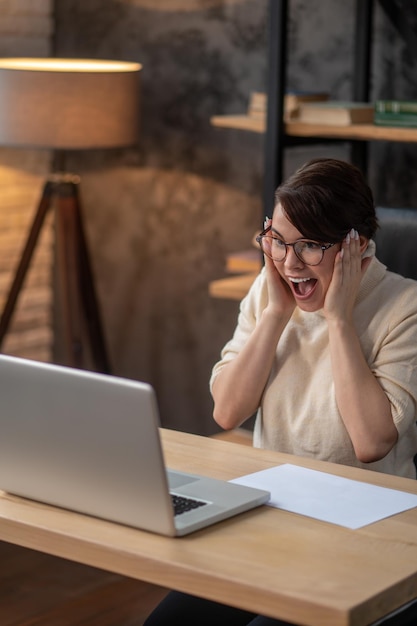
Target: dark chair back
(396, 240)
(396, 247)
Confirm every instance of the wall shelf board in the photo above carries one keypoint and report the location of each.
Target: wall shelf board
(233, 288)
(240, 122)
(361, 132)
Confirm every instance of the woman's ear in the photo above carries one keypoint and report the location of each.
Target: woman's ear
(363, 243)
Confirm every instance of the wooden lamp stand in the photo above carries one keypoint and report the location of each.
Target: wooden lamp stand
(82, 332)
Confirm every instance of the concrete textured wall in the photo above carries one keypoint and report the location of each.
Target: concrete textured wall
(161, 218)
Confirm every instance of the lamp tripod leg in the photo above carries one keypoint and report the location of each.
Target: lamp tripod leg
(75, 285)
(24, 263)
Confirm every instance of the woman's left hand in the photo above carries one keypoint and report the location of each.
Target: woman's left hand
(347, 273)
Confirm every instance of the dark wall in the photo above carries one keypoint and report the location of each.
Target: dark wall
(161, 217)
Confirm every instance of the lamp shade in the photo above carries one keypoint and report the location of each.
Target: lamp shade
(68, 103)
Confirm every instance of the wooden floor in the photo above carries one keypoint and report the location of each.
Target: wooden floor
(40, 590)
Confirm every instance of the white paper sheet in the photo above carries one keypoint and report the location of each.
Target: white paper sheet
(329, 498)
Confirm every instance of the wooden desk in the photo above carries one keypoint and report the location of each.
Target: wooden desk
(268, 561)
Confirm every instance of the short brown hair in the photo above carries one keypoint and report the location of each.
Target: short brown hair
(325, 198)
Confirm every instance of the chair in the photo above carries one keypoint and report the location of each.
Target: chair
(396, 243)
(396, 240)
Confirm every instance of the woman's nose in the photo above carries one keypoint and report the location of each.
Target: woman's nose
(292, 260)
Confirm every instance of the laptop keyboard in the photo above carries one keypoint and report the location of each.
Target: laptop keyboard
(182, 504)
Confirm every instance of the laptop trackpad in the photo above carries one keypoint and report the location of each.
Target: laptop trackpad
(177, 479)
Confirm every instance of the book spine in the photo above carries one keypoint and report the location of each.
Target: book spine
(258, 102)
(395, 119)
(395, 107)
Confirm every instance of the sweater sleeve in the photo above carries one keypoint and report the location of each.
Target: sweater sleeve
(249, 311)
(395, 363)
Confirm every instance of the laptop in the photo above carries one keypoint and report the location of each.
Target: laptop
(90, 443)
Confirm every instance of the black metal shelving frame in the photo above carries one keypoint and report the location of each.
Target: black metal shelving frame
(276, 140)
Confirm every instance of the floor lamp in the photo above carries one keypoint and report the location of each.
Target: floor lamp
(62, 105)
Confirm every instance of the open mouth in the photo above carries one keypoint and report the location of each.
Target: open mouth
(303, 287)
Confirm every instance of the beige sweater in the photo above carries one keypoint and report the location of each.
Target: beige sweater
(298, 412)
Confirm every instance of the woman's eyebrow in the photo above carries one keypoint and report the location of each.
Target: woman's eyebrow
(276, 232)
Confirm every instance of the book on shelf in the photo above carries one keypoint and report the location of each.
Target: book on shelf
(396, 113)
(258, 102)
(336, 113)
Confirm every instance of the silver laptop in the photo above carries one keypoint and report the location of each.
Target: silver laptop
(90, 443)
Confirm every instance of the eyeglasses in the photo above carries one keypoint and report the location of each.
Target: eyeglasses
(309, 252)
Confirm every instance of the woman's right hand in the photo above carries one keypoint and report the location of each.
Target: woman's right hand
(239, 385)
(280, 297)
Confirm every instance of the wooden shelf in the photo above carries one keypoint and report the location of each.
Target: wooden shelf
(244, 261)
(240, 122)
(244, 267)
(233, 288)
(363, 132)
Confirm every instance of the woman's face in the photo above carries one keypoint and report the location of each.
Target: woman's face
(308, 283)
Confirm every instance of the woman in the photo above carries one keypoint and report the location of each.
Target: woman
(325, 349)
